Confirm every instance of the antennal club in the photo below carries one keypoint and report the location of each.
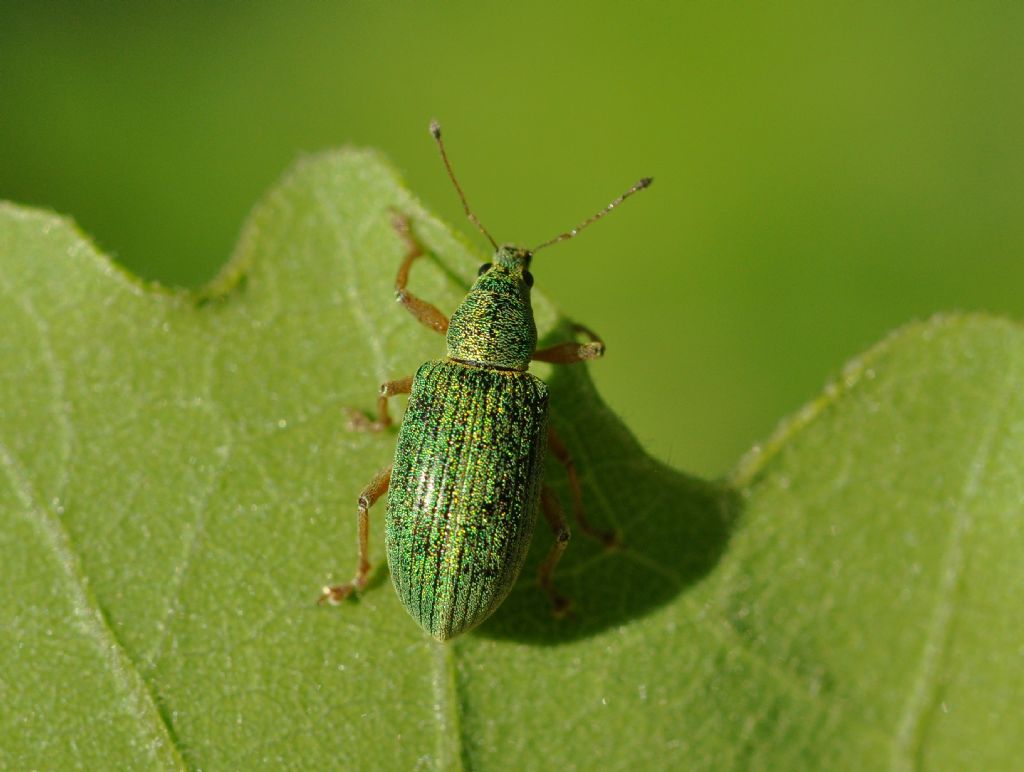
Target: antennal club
(435, 130)
(645, 182)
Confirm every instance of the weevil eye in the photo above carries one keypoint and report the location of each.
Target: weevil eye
(483, 269)
(528, 278)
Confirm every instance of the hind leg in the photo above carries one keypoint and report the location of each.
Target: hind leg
(378, 487)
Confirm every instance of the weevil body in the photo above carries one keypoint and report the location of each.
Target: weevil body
(466, 484)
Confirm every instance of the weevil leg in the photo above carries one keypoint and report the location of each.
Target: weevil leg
(560, 604)
(378, 486)
(357, 422)
(425, 312)
(572, 352)
(561, 453)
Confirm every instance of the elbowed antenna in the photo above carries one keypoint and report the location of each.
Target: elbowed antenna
(645, 182)
(435, 129)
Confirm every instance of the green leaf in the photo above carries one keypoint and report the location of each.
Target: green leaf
(176, 483)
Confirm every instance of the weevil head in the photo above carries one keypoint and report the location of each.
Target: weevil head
(494, 325)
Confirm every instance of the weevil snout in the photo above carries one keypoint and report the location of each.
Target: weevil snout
(512, 257)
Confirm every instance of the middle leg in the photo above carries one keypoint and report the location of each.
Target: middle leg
(426, 313)
(357, 422)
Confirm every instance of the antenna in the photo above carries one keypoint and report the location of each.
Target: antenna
(435, 129)
(645, 182)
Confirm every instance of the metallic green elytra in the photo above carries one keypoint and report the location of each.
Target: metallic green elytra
(466, 483)
(464, 491)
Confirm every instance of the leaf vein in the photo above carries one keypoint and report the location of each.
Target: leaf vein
(61, 406)
(909, 737)
(91, 620)
(356, 301)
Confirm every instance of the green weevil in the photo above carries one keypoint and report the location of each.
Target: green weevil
(465, 485)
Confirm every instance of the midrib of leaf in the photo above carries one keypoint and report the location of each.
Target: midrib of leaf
(910, 732)
(451, 746)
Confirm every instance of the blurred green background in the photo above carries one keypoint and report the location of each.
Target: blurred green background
(824, 172)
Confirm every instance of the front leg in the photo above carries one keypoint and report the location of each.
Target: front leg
(425, 313)
(571, 353)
